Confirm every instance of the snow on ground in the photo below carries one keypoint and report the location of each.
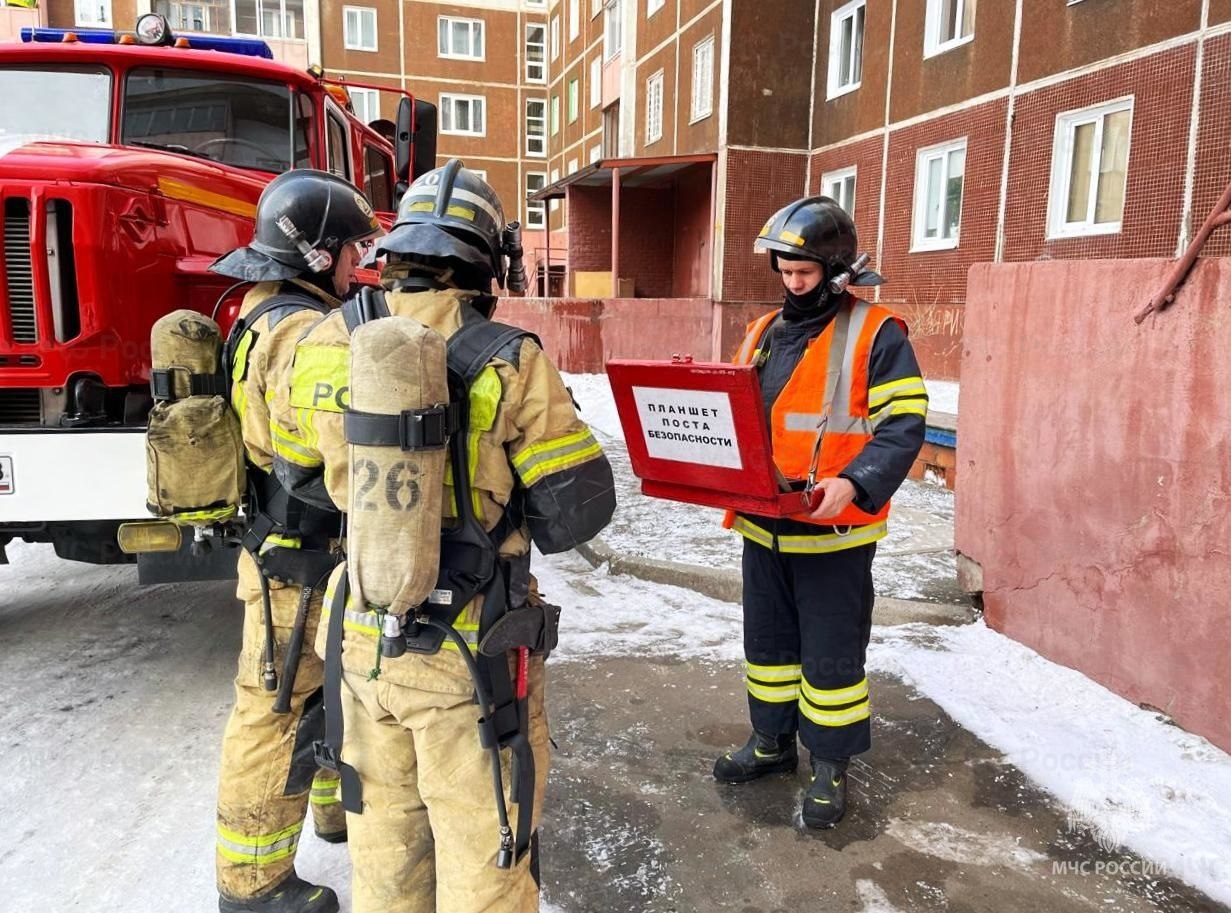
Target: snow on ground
(1127, 774)
(942, 395)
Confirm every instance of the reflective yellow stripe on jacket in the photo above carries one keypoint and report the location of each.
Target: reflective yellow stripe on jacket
(542, 459)
(817, 544)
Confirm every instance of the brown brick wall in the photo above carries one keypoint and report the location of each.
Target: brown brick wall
(654, 30)
(589, 241)
(385, 59)
(1056, 36)
(1162, 88)
(929, 287)
(865, 155)
(757, 184)
(701, 136)
(647, 242)
(662, 60)
(969, 70)
(770, 88)
(864, 109)
(1213, 140)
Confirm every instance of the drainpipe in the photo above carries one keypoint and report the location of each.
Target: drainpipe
(615, 232)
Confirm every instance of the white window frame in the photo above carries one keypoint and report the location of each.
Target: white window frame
(613, 29)
(542, 43)
(103, 7)
(702, 102)
(653, 6)
(839, 16)
(573, 165)
(919, 212)
(541, 136)
(574, 19)
(451, 98)
(537, 4)
(840, 178)
(933, 44)
(654, 108)
(539, 209)
(596, 82)
(371, 103)
(555, 176)
(1067, 123)
(554, 115)
(555, 37)
(353, 41)
(596, 153)
(476, 26)
(573, 106)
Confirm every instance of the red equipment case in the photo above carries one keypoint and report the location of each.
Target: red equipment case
(697, 433)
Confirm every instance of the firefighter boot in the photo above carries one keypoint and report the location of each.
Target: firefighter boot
(825, 799)
(291, 895)
(764, 754)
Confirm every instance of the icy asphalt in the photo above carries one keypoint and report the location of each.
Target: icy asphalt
(997, 781)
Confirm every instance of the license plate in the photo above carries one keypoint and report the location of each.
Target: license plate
(6, 475)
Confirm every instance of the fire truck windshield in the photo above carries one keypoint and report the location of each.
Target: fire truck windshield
(241, 122)
(45, 103)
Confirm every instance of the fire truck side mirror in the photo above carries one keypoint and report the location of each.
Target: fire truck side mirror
(423, 149)
(404, 140)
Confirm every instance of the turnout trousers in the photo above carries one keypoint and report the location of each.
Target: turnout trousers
(427, 839)
(268, 775)
(807, 620)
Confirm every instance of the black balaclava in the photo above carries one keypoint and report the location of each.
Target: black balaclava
(809, 304)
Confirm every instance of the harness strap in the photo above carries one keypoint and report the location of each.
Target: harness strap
(412, 429)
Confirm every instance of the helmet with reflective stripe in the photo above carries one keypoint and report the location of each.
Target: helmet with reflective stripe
(817, 229)
(303, 220)
(450, 213)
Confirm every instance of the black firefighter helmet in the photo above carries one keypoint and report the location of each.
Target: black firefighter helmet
(303, 220)
(818, 229)
(450, 215)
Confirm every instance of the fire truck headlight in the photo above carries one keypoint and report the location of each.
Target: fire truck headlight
(153, 29)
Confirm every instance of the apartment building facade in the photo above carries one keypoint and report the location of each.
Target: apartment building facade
(955, 131)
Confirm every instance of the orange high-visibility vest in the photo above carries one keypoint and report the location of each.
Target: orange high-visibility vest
(801, 412)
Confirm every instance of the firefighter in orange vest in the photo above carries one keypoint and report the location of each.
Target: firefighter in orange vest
(846, 406)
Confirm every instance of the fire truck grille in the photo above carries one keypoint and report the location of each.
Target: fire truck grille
(18, 270)
(20, 407)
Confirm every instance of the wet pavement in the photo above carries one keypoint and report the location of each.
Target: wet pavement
(938, 821)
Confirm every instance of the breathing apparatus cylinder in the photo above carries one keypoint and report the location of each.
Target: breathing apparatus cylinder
(397, 370)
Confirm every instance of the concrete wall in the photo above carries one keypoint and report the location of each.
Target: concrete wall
(582, 334)
(1096, 475)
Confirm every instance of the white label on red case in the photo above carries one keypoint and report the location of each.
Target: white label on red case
(688, 426)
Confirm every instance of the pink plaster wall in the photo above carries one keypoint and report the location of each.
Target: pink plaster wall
(1096, 475)
(582, 334)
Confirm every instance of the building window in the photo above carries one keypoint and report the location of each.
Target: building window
(703, 79)
(574, 19)
(949, 24)
(654, 108)
(840, 186)
(536, 127)
(555, 37)
(611, 130)
(846, 48)
(269, 18)
(596, 153)
(537, 4)
(95, 13)
(366, 104)
(211, 17)
(378, 178)
(459, 39)
(653, 6)
(613, 28)
(939, 172)
(596, 82)
(572, 166)
(536, 46)
(555, 176)
(481, 172)
(536, 213)
(1089, 170)
(359, 28)
(574, 93)
(555, 114)
(337, 145)
(463, 115)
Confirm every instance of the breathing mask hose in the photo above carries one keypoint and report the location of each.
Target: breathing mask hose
(504, 859)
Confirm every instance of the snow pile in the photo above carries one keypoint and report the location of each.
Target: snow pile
(1125, 773)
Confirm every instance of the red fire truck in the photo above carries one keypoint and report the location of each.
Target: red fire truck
(128, 163)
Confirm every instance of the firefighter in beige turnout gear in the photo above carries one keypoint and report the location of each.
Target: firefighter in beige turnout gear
(427, 837)
(303, 257)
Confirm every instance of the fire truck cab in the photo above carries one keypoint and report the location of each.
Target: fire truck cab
(128, 163)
